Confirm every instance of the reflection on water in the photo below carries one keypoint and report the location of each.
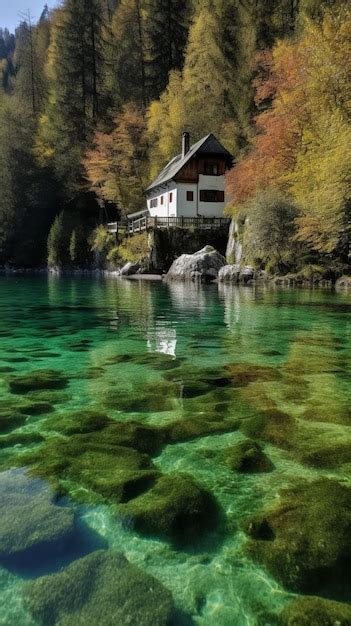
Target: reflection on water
(125, 410)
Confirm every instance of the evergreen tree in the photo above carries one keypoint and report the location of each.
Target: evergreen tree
(76, 77)
(167, 24)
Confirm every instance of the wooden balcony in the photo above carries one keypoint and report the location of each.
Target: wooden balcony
(130, 227)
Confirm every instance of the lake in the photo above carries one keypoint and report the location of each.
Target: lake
(125, 410)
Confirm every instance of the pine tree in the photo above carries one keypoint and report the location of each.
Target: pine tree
(167, 24)
(76, 77)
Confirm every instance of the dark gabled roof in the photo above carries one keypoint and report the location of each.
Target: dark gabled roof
(206, 145)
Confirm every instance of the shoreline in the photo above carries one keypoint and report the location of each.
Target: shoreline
(341, 284)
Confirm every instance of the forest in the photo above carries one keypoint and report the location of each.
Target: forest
(95, 95)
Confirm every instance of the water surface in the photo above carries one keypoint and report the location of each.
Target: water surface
(80, 328)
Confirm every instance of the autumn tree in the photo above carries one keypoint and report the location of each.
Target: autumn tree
(302, 143)
(116, 165)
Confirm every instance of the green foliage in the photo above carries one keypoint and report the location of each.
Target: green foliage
(131, 249)
(68, 241)
(101, 240)
(270, 230)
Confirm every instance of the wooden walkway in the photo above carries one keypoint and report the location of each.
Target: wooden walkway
(143, 224)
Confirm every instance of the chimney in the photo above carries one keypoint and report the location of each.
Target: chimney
(185, 143)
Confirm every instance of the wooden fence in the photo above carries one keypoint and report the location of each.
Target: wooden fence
(149, 223)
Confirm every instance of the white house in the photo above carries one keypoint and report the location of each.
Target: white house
(192, 183)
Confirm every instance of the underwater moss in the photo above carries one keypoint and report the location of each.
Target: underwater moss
(243, 374)
(77, 422)
(101, 588)
(20, 439)
(193, 428)
(39, 379)
(176, 507)
(247, 456)
(314, 611)
(10, 420)
(148, 398)
(304, 540)
(36, 408)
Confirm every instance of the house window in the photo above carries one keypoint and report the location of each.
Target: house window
(190, 196)
(170, 196)
(153, 202)
(211, 195)
(161, 199)
(211, 169)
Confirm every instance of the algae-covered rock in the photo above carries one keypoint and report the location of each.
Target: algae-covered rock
(20, 439)
(30, 522)
(247, 456)
(77, 422)
(305, 539)
(192, 428)
(102, 588)
(272, 426)
(175, 507)
(36, 408)
(148, 398)
(39, 379)
(10, 420)
(242, 374)
(99, 467)
(314, 611)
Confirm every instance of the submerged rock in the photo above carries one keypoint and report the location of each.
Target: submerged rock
(247, 456)
(36, 408)
(30, 522)
(101, 588)
(193, 428)
(305, 540)
(176, 507)
(200, 266)
(96, 463)
(39, 379)
(314, 611)
(10, 420)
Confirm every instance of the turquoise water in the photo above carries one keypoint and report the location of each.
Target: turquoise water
(116, 345)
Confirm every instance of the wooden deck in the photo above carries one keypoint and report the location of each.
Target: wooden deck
(143, 224)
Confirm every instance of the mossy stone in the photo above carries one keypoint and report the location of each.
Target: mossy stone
(314, 611)
(36, 408)
(272, 426)
(148, 398)
(10, 421)
(243, 374)
(197, 382)
(20, 439)
(30, 522)
(77, 422)
(247, 456)
(193, 428)
(39, 379)
(305, 540)
(101, 588)
(176, 507)
(95, 463)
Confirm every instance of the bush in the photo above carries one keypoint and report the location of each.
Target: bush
(270, 230)
(101, 240)
(131, 249)
(67, 241)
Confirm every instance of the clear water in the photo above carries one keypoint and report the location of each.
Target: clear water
(77, 326)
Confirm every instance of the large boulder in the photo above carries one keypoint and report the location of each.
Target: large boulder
(203, 265)
(101, 588)
(314, 611)
(31, 524)
(305, 540)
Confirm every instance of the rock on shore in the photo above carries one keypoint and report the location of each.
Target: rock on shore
(236, 274)
(202, 266)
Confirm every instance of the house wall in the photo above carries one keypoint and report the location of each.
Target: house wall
(180, 206)
(168, 208)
